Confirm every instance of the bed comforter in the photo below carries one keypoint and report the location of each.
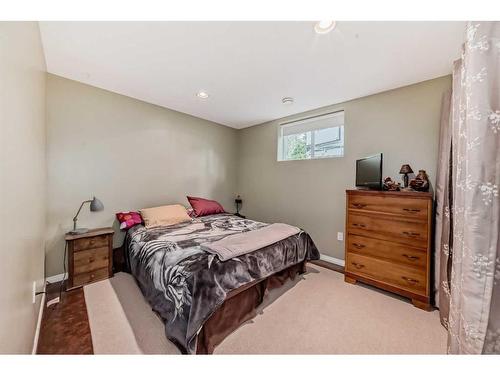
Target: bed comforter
(185, 285)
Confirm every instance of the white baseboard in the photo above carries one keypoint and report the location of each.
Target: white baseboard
(337, 261)
(57, 278)
(39, 321)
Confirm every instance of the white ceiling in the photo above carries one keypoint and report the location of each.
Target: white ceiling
(248, 67)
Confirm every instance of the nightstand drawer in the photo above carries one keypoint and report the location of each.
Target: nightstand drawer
(89, 260)
(90, 243)
(90, 277)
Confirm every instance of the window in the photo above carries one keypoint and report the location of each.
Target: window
(312, 138)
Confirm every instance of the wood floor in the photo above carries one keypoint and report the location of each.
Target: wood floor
(65, 325)
(329, 265)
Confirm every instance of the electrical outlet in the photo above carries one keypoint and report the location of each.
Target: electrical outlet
(340, 236)
(33, 297)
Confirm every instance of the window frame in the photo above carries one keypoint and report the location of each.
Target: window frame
(281, 138)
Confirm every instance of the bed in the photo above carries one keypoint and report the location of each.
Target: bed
(200, 298)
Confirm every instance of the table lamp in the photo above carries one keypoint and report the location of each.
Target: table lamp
(95, 205)
(405, 169)
(238, 201)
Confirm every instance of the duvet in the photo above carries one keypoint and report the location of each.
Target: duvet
(185, 285)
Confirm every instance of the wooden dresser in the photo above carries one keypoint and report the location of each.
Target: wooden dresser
(388, 242)
(90, 256)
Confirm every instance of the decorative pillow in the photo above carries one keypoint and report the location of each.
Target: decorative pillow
(164, 215)
(128, 219)
(203, 207)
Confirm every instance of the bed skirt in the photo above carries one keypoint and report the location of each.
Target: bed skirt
(239, 307)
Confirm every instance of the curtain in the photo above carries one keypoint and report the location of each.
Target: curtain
(443, 213)
(467, 226)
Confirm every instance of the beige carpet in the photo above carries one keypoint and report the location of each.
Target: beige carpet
(320, 314)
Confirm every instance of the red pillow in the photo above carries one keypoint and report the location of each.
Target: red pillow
(203, 207)
(128, 219)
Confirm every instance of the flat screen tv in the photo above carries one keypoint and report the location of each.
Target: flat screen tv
(369, 172)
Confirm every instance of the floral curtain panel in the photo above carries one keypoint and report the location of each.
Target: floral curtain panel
(470, 288)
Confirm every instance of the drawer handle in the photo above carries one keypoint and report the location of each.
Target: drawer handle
(411, 209)
(358, 245)
(357, 265)
(359, 205)
(91, 259)
(410, 280)
(92, 276)
(91, 242)
(411, 257)
(411, 234)
(359, 225)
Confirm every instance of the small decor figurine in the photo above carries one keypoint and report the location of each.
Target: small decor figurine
(405, 169)
(391, 185)
(420, 182)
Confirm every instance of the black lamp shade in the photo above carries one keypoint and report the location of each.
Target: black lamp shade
(405, 168)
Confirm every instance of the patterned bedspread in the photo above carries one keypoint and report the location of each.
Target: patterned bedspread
(185, 285)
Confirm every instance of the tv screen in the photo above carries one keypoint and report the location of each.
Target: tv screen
(369, 172)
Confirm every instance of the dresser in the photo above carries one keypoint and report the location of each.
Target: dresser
(89, 256)
(388, 242)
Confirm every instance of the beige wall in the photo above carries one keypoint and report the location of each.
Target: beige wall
(132, 154)
(22, 182)
(402, 124)
(128, 153)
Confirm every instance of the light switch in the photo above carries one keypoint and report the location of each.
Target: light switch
(340, 236)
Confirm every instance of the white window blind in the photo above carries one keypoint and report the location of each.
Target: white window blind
(315, 137)
(315, 123)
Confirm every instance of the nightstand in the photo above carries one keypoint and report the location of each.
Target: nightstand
(90, 256)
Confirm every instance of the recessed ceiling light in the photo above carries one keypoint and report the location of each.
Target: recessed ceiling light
(287, 100)
(323, 27)
(202, 95)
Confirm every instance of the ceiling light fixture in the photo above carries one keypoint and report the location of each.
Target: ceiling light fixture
(323, 27)
(287, 100)
(202, 95)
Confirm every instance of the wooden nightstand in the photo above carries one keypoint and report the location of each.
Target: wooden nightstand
(90, 256)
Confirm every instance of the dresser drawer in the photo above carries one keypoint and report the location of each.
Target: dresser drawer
(408, 278)
(89, 277)
(408, 232)
(90, 243)
(89, 260)
(395, 205)
(387, 250)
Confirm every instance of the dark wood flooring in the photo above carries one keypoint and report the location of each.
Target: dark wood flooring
(328, 265)
(65, 325)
